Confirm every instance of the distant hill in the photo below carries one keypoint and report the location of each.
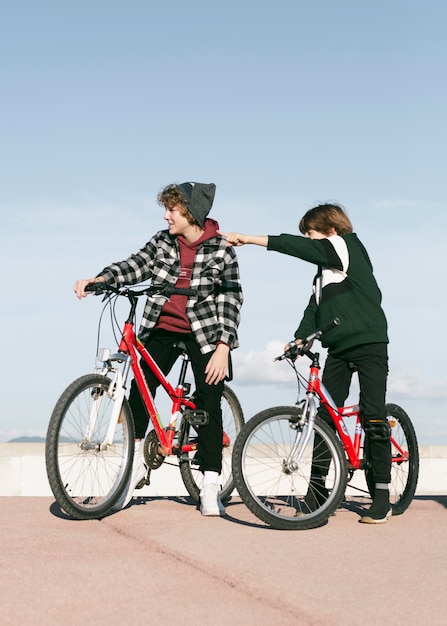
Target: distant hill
(27, 440)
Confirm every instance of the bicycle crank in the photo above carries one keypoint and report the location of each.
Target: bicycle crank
(152, 456)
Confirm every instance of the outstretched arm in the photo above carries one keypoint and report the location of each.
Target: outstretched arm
(238, 239)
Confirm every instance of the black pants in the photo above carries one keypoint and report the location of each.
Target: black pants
(371, 363)
(208, 397)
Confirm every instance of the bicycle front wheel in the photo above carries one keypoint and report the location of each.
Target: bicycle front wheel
(404, 460)
(232, 420)
(289, 492)
(87, 476)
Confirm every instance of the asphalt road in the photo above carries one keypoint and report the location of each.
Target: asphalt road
(159, 561)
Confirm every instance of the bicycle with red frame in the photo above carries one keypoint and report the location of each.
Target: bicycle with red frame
(90, 439)
(279, 449)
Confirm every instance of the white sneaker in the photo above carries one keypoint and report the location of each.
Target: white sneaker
(139, 472)
(210, 503)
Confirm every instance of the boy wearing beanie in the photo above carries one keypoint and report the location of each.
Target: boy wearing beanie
(189, 253)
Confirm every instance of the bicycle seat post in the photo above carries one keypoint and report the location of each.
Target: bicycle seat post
(185, 362)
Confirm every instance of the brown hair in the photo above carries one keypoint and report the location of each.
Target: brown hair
(323, 218)
(170, 197)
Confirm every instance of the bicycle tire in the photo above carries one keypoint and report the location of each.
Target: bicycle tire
(85, 480)
(404, 475)
(233, 421)
(273, 494)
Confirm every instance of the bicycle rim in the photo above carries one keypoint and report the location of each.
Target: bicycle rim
(87, 478)
(281, 496)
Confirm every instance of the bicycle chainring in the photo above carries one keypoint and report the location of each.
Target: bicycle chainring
(152, 456)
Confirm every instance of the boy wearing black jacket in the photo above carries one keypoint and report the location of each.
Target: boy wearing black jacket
(344, 287)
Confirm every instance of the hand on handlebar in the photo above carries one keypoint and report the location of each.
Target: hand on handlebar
(292, 349)
(81, 284)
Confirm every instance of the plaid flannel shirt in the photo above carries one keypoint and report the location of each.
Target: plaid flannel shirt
(214, 314)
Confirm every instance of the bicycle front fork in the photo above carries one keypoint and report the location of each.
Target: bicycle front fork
(303, 436)
(115, 392)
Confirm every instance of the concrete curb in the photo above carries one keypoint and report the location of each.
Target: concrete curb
(23, 473)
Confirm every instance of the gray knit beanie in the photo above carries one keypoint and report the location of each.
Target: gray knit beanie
(198, 198)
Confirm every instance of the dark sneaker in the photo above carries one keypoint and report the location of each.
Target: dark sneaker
(379, 511)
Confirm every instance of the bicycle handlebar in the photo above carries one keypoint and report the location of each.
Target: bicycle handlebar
(321, 331)
(165, 290)
(294, 350)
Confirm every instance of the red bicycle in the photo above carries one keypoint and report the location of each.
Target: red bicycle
(276, 450)
(90, 439)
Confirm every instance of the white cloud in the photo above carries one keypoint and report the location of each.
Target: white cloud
(410, 381)
(257, 368)
(260, 367)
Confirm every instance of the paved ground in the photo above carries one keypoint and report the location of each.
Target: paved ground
(160, 561)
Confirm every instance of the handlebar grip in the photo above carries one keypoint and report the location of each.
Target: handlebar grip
(97, 287)
(180, 291)
(335, 322)
(166, 291)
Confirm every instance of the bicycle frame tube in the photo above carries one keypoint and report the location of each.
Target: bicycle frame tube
(131, 345)
(352, 447)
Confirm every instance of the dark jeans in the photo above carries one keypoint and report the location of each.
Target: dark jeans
(371, 363)
(208, 397)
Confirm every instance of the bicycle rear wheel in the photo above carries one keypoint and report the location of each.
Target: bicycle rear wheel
(85, 477)
(232, 420)
(279, 494)
(404, 472)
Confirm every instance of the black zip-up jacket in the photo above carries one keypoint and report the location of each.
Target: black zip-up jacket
(344, 287)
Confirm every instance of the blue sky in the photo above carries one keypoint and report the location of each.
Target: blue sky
(282, 105)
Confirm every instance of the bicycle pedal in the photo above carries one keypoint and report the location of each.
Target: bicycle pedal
(197, 417)
(144, 481)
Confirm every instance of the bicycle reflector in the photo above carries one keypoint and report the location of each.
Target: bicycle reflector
(104, 354)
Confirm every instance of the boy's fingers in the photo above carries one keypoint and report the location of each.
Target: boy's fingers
(226, 236)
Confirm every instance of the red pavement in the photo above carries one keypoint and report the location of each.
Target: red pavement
(160, 561)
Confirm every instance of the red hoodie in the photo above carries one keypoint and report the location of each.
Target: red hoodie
(173, 315)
